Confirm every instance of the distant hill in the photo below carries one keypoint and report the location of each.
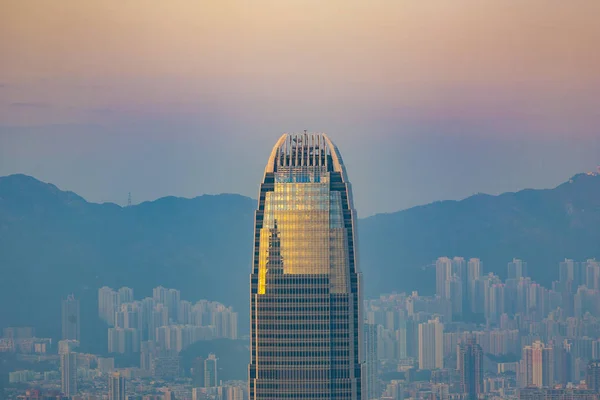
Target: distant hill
(539, 226)
(53, 243)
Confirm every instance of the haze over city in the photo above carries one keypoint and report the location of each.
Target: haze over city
(247, 200)
(443, 99)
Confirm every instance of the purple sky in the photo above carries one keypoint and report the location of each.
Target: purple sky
(426, 100)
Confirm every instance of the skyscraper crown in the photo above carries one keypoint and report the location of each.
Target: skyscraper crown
(311, 150)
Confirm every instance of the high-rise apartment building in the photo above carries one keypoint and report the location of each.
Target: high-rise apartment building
(198, 372)
(494, 302)
(231, 393)
(159, 316)
(517, 269)
(146, 321)
(443, 271)
(170, 298)
(116, 386)
(569, 273)
(108, 302)
(123, 340)
(68, 373)
(592, 376)
(148, 351)
(70, 319)
(370, 382)
(452, 281)
(306, 322)
(563, 361)
(184, 312)
(431, 345)
(210, 371)
(454, 292)
(459, 266)
(173, 299)
(224, 319)
(474, 271)
(470, 368)
(592, 274)
(128, 316)
(537, 365)
(160, 294)
(125, 295)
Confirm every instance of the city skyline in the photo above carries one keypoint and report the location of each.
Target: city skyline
(420, 333)
(147, 252)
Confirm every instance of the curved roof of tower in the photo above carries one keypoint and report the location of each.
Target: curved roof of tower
(306, 150)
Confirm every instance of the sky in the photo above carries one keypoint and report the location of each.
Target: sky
(426, 100)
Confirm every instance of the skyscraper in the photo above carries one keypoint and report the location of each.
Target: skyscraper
(68, 373)
(147, 352)
(70, 318)
(116, 386)
(210, 371)
(371, 362)
(173, 299)
(569, 271)
(592, 376)
(494, 302)
(537, 365)
(108, 301)
(563, 361)
(443, 270)
(470, 368)
(474, 269)
(306, 322)
(125, 295)
(160, 294)
(592, 274)
(452, 282)
(431, 345)
(517, 269)
(454, 292)
(459, 269)
(198, 372)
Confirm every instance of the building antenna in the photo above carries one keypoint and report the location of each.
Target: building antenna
(129, 200)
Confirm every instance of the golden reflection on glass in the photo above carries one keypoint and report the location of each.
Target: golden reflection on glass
(310, 224)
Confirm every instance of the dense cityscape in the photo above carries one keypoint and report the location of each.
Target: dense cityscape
(483, 336)
(478, 337)
(164, 236)
(152, 332)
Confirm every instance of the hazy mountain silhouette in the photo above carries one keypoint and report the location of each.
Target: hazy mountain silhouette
(53, 243)
(539, 226)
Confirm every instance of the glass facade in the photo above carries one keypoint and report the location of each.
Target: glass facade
(306, 322)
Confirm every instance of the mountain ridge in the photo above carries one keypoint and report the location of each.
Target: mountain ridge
(20, 176)
(54, 242)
